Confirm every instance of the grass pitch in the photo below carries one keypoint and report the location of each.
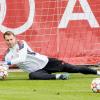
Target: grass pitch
(18, 87)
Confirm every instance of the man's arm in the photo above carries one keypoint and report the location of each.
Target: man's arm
(21, 54)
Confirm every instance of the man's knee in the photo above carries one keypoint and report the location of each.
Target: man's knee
(33, 75)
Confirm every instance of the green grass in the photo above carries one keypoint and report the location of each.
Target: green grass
(18, 87)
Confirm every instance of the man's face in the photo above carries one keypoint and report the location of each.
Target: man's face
(10, 40)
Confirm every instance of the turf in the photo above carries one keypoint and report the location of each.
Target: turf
(18, 87)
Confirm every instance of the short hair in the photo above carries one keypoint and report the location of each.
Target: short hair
(8, 33)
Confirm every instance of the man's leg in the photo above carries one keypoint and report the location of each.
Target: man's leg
(56, 65)
(41, 75)
(77, 69)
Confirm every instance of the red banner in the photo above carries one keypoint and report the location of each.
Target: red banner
(66, 29)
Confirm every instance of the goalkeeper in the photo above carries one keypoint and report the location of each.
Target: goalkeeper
(38, 66)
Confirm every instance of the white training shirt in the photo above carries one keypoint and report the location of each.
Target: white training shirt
(23, 56)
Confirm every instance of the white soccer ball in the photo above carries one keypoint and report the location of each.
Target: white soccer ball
(3, 72)
(95, 85)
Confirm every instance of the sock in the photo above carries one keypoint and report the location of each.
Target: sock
(57, 76)
(98, 73)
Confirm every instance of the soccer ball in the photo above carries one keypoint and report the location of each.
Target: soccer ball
(3, 72)
(95, 85)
